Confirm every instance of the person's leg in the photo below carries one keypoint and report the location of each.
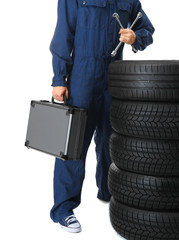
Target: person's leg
(101, 138)
(68, 179)
(69, 175)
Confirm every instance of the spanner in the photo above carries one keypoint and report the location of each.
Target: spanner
(116, 16)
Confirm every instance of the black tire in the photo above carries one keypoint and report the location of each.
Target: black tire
(144, 192)
(145, 119)
(144, 80)
(135, 224)
(143, 156)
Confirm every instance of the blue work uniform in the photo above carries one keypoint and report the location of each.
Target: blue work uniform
(85, 35)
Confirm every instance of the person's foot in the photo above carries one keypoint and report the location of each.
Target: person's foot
(70, 224)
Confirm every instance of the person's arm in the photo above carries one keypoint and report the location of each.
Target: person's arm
(143, 28)
(62, 43)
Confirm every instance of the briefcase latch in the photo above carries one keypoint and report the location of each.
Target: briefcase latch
(65, 157)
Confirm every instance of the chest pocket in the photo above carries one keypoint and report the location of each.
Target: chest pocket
(92, 14)
(124, 10)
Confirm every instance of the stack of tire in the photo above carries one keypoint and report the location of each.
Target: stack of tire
(144, 148)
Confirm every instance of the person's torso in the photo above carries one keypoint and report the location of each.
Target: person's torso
(97, 31)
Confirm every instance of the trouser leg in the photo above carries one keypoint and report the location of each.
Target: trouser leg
(68, 179)
(69, 175)
(101, 138)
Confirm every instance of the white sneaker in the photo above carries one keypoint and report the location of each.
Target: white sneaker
(70, 224)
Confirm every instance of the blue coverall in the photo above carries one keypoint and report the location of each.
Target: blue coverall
(85, 35)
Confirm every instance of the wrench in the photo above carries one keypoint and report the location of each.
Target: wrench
(115, 15)
(139, 15)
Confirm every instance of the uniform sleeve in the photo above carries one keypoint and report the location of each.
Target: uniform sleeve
(62, 43)
(143, 28)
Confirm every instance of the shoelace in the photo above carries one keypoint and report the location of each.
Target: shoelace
(70, 219)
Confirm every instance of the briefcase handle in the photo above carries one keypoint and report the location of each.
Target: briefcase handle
(64, 98)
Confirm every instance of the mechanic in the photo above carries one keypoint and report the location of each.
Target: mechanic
(85, 35)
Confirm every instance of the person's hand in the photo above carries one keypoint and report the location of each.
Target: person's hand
(58, 93)
(127, 36)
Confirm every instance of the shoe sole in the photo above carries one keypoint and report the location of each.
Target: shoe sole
(71, 230)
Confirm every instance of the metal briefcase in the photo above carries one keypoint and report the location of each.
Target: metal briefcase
(56, 129)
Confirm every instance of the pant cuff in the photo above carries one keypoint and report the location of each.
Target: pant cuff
(103, 198)
(60, 216)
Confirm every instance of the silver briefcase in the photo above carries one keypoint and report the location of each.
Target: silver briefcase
(56, 129)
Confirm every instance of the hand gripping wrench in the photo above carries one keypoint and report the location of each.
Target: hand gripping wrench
(116, 16)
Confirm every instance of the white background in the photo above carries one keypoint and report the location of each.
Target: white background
(26, 176)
